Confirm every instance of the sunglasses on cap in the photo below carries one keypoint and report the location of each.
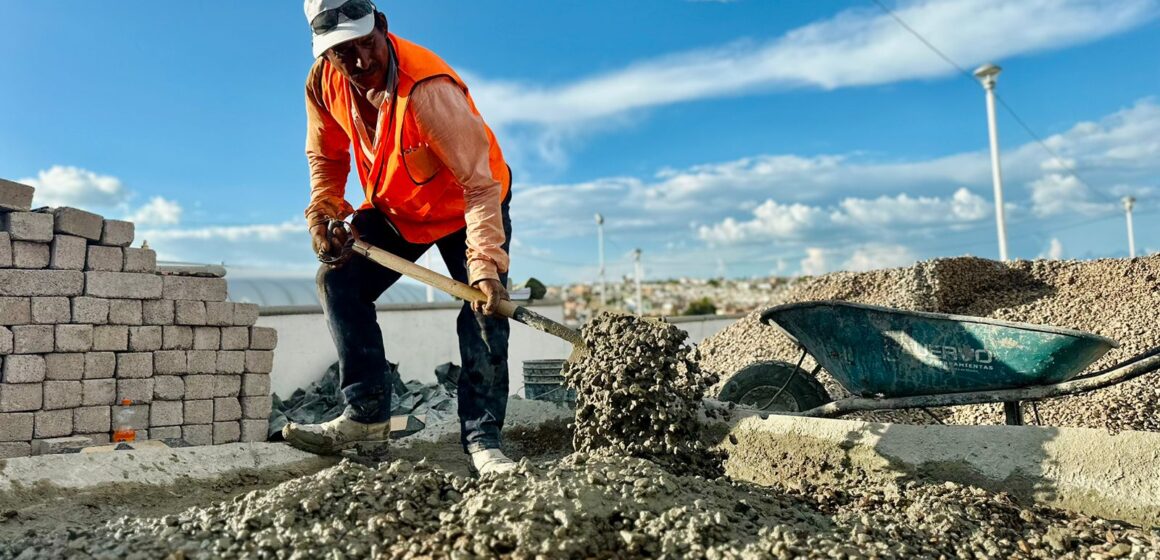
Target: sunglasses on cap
(352, 10)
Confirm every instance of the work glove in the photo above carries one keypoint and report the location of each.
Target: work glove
(495, 293)
(329, 248)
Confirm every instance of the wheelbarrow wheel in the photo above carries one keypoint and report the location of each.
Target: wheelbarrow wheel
(774, 387)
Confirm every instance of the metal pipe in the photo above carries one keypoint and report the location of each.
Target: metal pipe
(1129, 204)
(988, 75)
(600, 245)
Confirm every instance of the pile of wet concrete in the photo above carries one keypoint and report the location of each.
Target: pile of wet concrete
(590, 506)
(1116, 298)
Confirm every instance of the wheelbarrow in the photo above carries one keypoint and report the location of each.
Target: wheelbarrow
(892, 359)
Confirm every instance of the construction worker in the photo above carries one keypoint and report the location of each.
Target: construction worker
(433, 174)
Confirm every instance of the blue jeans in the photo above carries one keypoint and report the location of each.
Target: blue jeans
(348, 294)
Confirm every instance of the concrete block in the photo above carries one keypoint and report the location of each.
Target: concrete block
(135, 365)
(157, 312)
(168, 387)
(255, 385)
(226, 432)
(67, 252)
(145, 339)
(227, 386)
(207, 338)
(140, 260)
(176, 337)
(76, 222)
(189, 312)
(15, 449)
(24, 368)
(235, 338)
(193, 288)
(16, 426)
(52, 423)
(5, 250)
(15, 310)
(100, 365)
(170, 362)
(20, 282)
(20, 397)
(103, 257)
(231, 361)
(255, 430)
(62, 394)
(51, 310)
(199, 387)
(259, 361)
(98, 392)
(165, 413)
(256, 407)
(64, 367)
(117, 233)
(219, 313)
(227, 409)
(33, 339)
(197, 434)
(100, 439)
(165, 432)
(137, 390)
(125, 312)
(201, 361)
(53, 446)
(110, 338)
(92, 420)
(130, 285)
(263, 338)
(27, 226)
(6, 341)
(30, 254)
(74, 338)
(15, 197)
(196, 412)
(245, 314)
(90, 310)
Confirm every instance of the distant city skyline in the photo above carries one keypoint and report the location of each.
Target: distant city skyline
(736, 139)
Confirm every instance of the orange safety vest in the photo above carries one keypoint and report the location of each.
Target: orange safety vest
(405, 180)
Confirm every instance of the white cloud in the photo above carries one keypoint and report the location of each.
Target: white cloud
(1055, 194)
(250, 232)
(63, 185)
(857, 47)
(869, 256)
(963, 206)
(815, 262)
(159, 211)
(1054, 250)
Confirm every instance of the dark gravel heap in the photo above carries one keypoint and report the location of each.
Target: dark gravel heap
(638, 393)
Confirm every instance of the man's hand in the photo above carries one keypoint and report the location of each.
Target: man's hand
(495, 293)
(324, 248)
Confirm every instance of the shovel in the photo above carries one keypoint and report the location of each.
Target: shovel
(458, 289)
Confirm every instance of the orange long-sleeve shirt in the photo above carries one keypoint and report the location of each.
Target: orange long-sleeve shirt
(455, 135)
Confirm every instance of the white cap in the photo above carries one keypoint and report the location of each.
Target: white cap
(345, 30)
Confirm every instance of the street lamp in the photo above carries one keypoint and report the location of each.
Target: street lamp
(1129, 204)
(600, 244)
(639, 273)
(988, 74)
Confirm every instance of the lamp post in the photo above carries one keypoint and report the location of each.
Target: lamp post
(639, 274)
(600, 244)
(988, 74)
(1129, 204)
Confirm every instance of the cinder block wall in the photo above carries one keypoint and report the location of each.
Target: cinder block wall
(86, 321)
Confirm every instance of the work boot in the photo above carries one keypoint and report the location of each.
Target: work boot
(330, 438)
(490, 461)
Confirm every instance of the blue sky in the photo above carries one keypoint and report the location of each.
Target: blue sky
(741, 138)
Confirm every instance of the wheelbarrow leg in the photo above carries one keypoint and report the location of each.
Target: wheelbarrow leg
(1014, 413)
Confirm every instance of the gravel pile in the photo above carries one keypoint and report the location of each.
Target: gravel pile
(638, 392)
(594, 507)
(1117, 298)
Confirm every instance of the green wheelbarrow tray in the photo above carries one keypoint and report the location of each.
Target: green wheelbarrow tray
(904, 359)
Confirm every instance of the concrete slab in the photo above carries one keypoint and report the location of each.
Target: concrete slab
(157, 466)
(1078, 469)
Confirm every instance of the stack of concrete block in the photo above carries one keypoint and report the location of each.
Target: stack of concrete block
(87, 321)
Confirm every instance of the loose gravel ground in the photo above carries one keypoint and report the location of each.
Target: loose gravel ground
(1116, 298)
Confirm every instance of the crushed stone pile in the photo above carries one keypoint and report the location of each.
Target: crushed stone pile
(1116, 298)
(638, 392)
(591, 506)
